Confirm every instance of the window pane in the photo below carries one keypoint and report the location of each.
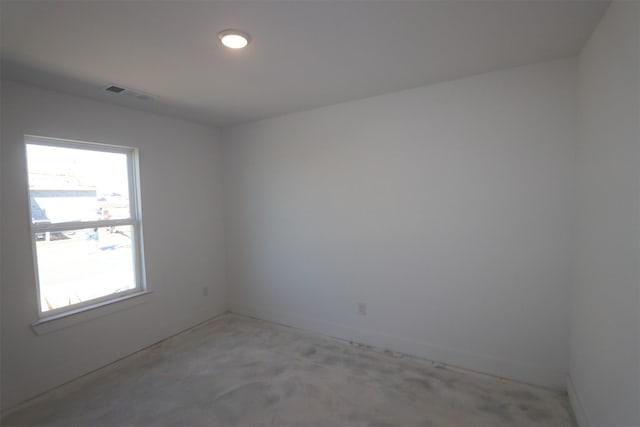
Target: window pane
(71, 184)
(81, 265)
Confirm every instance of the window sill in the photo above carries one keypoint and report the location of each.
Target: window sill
(90, 312)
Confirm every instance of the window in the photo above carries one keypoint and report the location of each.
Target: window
(85, 223)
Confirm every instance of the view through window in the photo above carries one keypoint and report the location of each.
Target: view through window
(85, 223)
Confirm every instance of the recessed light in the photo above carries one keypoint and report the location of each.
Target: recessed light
(234, 39)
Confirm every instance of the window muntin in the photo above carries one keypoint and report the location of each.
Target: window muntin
(86, 223)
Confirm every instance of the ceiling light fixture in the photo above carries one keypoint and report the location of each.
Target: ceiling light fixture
(234, 39)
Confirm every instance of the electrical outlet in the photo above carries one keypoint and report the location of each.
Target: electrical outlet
(362, 308)
(205, 291)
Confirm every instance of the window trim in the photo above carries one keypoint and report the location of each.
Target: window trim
(85, 314)
(134, 221)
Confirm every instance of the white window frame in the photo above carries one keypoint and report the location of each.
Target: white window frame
(134, 221)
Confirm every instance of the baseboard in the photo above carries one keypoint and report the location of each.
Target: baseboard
(576, 404)
(446, 356)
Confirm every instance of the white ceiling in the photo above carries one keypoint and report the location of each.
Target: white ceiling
(304, 53)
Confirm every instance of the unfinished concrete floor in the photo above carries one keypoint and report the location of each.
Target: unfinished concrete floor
(238, 371)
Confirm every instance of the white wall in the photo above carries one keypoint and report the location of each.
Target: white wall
(605, 322)
(446, 209)
(181, 203)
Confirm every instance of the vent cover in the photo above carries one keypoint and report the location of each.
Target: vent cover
(119, 90)
(114, 89)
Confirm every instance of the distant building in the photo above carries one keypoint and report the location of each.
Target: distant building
(58, 205)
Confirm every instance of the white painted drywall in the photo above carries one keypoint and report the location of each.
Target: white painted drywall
(446, 209)
(181, 203)
(605, 320)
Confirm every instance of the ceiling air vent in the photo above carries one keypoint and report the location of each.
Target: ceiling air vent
(119, 90)
(114, 89)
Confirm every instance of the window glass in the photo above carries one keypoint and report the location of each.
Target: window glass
(80, 265)
(69, 184)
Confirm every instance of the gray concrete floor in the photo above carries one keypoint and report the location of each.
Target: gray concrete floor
(238, 371)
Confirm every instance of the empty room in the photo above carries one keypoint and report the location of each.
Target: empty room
(320, 213)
